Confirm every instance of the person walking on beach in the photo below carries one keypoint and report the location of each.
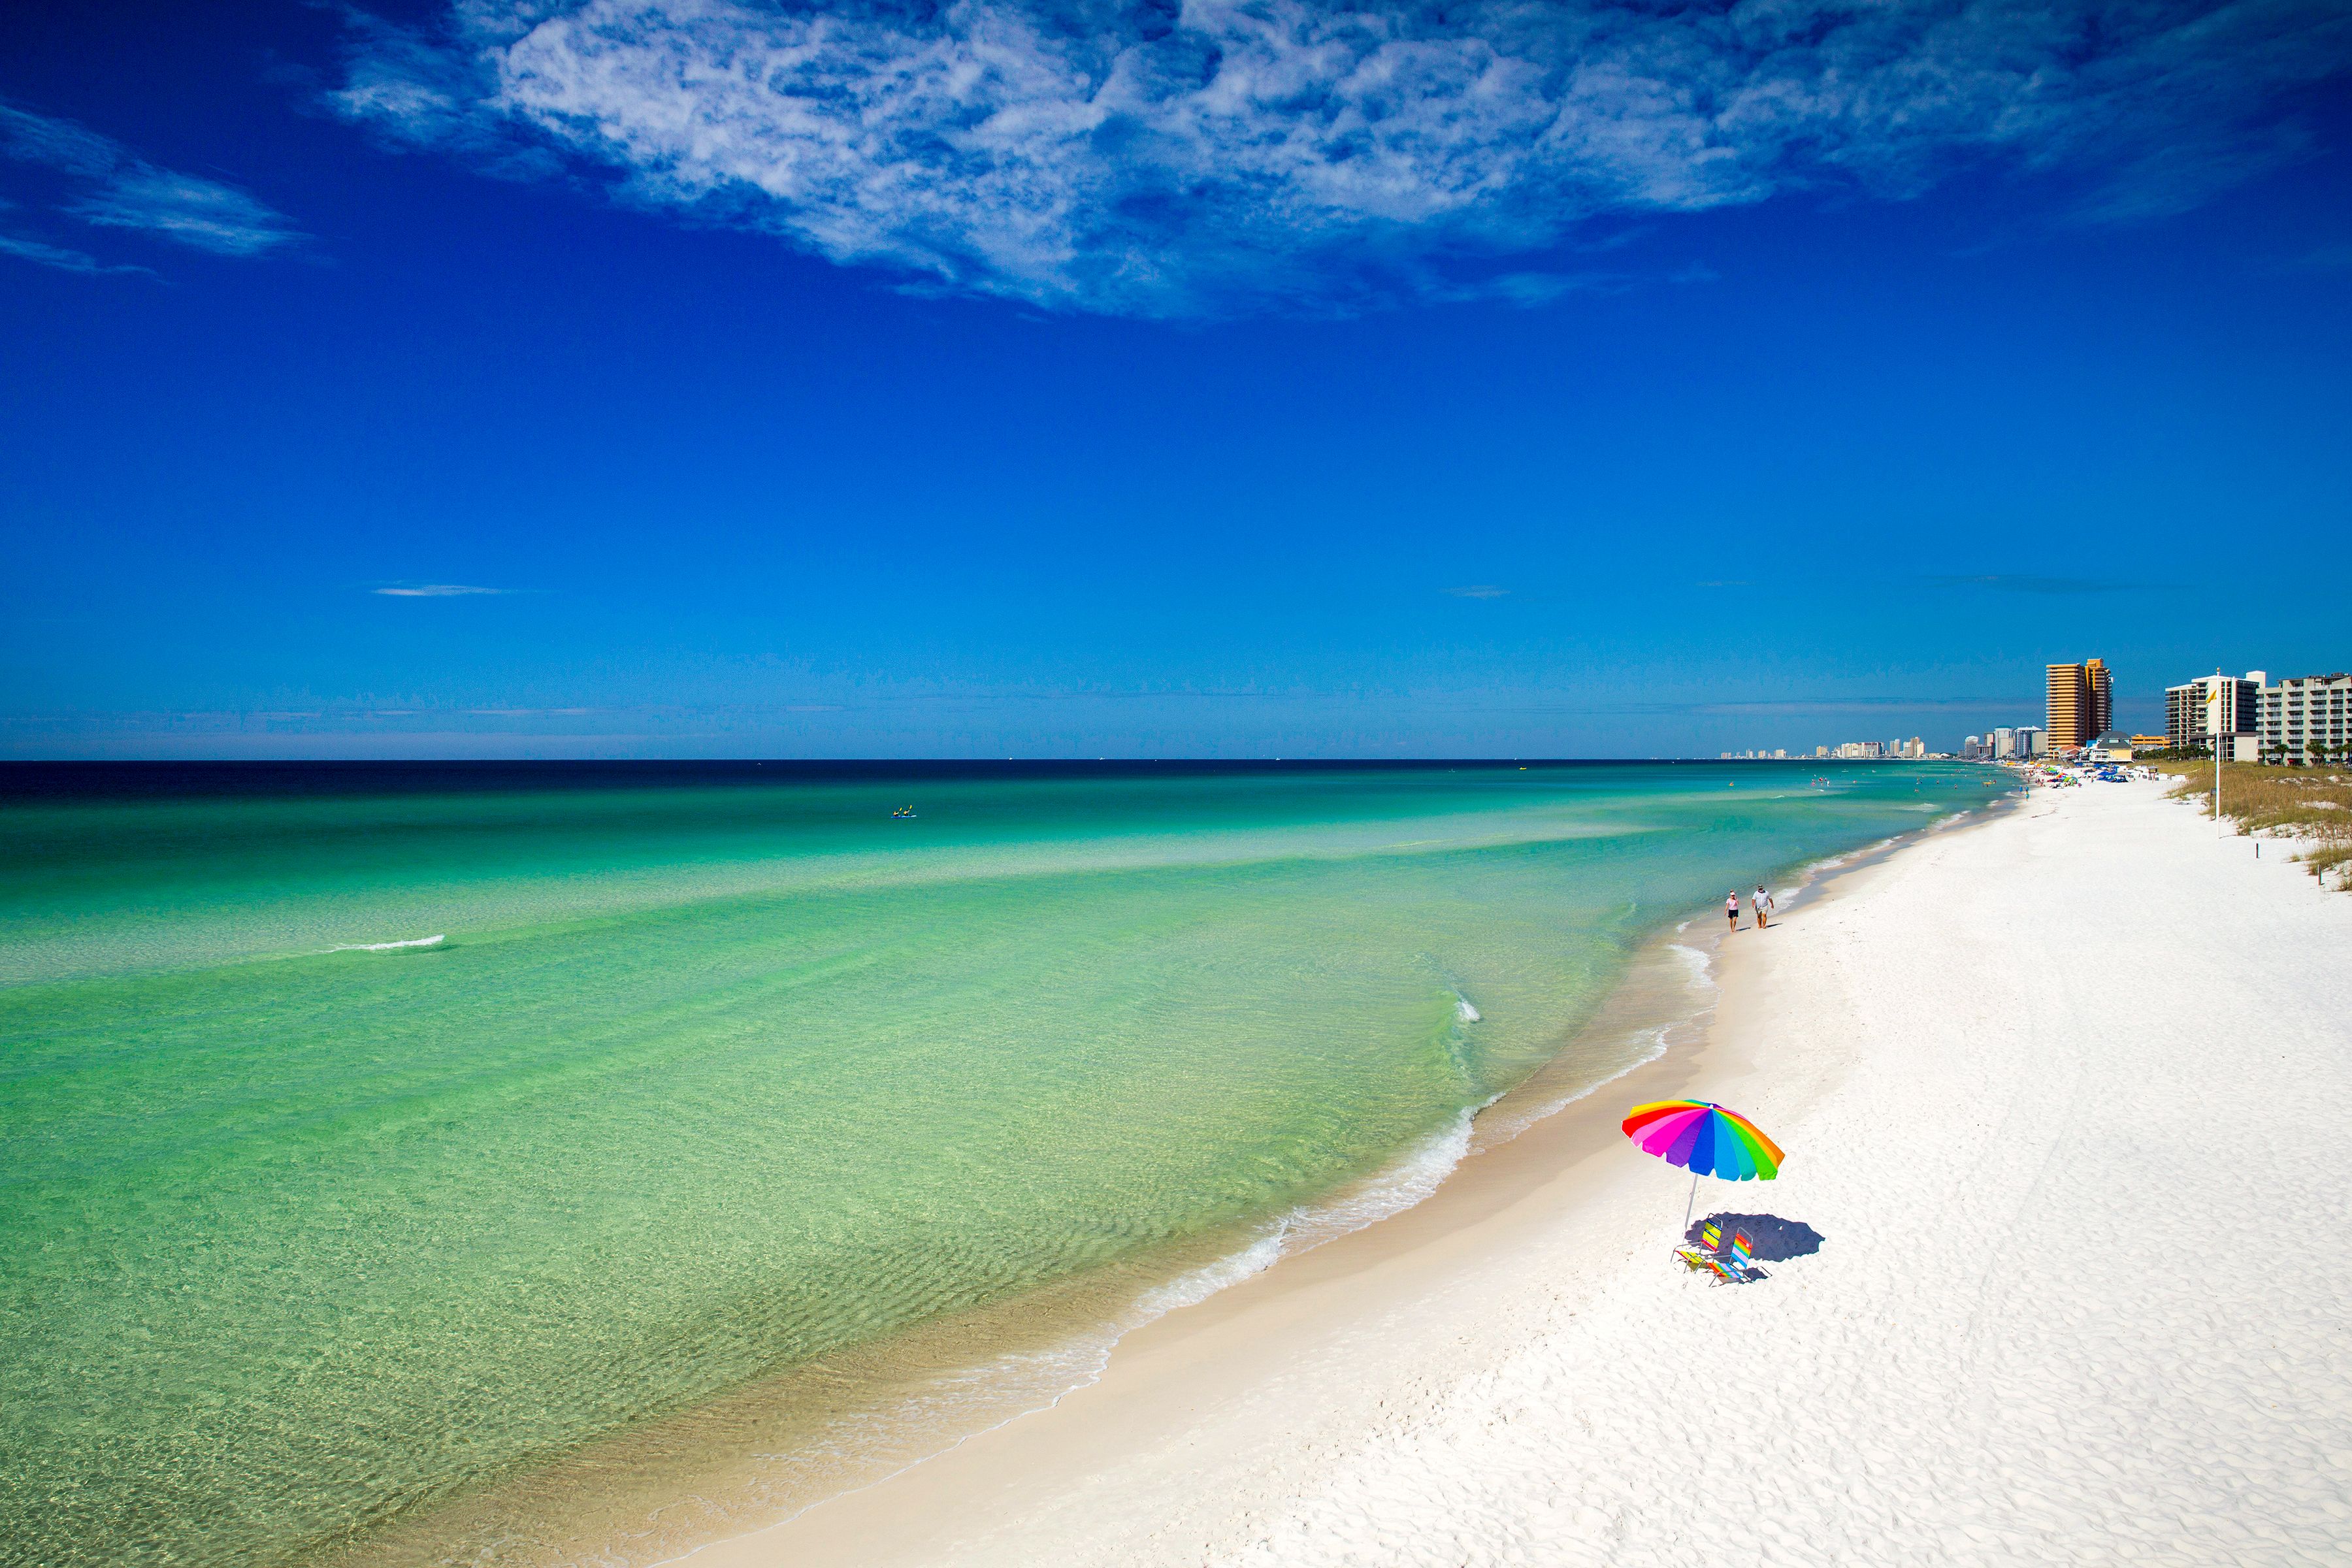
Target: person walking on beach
(1761, 903)
(1732, 910)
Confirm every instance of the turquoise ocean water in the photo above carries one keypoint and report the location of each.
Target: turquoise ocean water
(380, 1142)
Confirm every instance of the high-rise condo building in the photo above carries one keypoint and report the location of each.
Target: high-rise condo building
(2067, 720)
(2196, 713)
(2308, 718)
(2082, 703)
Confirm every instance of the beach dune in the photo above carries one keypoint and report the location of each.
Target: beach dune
(2060, 1093)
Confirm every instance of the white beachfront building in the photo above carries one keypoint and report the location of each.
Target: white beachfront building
(2308, 718)
(2196, 715)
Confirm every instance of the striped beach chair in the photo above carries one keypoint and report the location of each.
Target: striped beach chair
(1701, 1262)
(1703, 1258)
(1732, 1266)
(1739, 1261)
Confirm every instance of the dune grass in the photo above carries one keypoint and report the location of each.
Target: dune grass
(2311, 804)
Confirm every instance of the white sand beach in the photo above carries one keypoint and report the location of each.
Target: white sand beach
(2063, 1094)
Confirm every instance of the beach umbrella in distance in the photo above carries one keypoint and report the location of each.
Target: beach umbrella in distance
(1705, 1139)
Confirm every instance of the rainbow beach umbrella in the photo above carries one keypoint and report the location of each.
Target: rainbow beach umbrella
(1705, 1139)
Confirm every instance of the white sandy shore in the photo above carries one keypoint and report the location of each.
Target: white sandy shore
(2064, 1093)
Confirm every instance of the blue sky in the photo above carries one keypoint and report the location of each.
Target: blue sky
(1219, 380)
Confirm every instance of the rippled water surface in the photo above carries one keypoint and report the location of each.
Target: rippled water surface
(376, 1137)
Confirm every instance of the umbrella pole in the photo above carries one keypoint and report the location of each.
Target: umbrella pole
(1691, 1207)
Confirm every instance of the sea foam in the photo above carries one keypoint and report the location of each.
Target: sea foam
(391, 946)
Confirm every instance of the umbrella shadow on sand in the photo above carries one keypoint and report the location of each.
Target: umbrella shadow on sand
(1770, 1238)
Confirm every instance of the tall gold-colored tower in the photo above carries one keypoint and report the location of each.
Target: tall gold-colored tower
(2082, 703)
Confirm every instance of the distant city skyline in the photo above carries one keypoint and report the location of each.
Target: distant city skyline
(419, 380)
(1895, 748)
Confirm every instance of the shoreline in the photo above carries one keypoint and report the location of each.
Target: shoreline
(2051, 1296)
(760, 1459)
(1523, 1163)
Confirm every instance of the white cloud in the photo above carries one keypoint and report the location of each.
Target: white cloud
(202, 214)
(118, 189)
(1188, 156)
(437, 591)
(57, 256)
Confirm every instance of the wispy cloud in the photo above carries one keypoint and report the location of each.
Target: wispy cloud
(437, 591)
(109, 187)
(1181, 159)
(59, 257)
(2012, 583)
(1479, 591)
(202, 214)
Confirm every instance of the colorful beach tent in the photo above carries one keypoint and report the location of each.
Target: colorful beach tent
(1703, 1138)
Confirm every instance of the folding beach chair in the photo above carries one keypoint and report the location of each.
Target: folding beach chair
(1735, 1267)
(1701, 1259)
(1699, 1262)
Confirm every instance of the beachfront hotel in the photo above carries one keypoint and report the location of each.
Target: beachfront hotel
(2306, 718)
(2302, 720)
(2195, 713)
(2082, 703)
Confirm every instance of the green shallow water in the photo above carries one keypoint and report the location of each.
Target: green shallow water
(714, 1073)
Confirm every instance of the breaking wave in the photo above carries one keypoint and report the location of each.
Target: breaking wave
(391, 946)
